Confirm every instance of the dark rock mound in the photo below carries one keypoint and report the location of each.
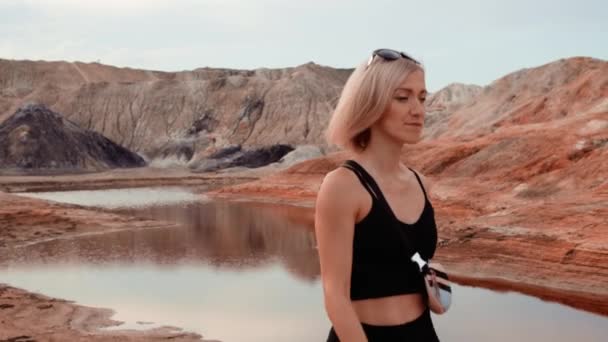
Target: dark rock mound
(262, 156)
(226, 152)
(36, 138)
(234, 156)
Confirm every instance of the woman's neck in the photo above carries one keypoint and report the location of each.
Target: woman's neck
(382, 155)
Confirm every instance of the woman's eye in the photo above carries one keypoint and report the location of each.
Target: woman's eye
(402, 98)
(423, 99)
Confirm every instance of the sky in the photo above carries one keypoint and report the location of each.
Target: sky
(466, 41)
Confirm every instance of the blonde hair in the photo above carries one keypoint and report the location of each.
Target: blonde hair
(365, 97)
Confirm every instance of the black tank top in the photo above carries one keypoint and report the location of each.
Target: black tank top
(381, 264)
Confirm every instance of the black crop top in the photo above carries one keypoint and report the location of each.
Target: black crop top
(381, 264)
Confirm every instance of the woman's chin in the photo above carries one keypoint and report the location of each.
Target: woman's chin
(410, 140)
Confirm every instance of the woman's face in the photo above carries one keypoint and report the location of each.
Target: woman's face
(404, 119)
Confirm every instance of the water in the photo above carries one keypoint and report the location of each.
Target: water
(120, 198)
(237, 272)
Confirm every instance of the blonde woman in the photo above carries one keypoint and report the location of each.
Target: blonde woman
(364, 209)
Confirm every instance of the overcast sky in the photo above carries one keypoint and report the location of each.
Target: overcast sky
(464, 41)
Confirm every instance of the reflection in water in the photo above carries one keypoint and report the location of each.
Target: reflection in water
(222, 273)
(219, 234)
(236, 233)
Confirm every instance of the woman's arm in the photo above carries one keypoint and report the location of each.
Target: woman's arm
(335, 215)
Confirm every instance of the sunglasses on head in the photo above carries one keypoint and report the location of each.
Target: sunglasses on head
(390, 55)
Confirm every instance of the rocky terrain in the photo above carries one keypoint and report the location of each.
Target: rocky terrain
(442, 104)
(36, 140)
(193, 113)
(566, 88)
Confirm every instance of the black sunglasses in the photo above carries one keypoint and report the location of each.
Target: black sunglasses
(390, 55)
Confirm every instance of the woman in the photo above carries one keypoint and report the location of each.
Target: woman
(372, 290)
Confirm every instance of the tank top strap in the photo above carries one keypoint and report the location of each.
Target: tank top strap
(370, 184)
(363, 177)
(419, 182)
(369, 180)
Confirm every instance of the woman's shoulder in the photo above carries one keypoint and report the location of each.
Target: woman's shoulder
(338, 190)
(335, 200)
(338, 180)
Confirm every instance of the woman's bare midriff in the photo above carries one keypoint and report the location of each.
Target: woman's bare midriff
(393, 310)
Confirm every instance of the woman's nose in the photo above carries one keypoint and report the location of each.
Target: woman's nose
(418, 108)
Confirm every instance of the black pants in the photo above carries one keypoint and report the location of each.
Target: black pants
(419, 330)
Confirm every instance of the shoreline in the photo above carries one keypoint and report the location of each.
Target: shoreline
(117, 178)
(60, 319)
(588, 302)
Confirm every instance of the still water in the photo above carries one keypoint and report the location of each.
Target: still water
(241, 272)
